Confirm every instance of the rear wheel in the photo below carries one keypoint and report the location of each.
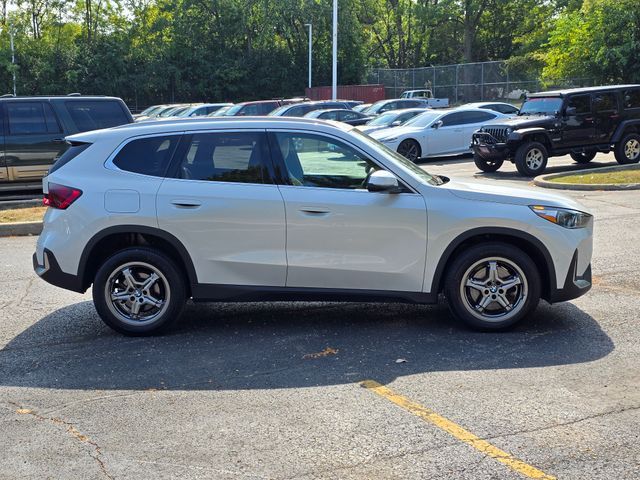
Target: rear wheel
(487, 165)
(410, 149)
(531, 159)
(139, 291)
(492, 286)
(583, 157)
(628, 149)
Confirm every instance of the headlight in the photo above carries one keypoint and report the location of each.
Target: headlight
(388, 140)
(564, 217)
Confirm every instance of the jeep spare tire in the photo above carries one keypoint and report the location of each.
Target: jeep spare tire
(531, 159)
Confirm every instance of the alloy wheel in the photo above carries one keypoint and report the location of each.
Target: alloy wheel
(408, 150)
(534, 159)
(632, 149)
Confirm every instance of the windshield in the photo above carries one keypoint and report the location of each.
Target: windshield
(278, 111)
(384, 119)
(376, 106)
(233, 110)
(541, 105)
(407, 165)
(220, 112)
(422, 120)
(150, 110)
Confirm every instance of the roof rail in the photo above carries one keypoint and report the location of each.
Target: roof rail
(74, 94)
(7, 95)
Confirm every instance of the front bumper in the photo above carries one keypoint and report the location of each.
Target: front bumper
(574, 285)
(51, 272)
(486, 146)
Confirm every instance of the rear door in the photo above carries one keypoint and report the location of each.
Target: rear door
(33, 139)
(606, 113)
(221, 203)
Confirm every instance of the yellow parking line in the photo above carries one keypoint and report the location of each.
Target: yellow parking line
(456, 431)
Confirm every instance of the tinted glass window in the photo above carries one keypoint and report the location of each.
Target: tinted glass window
(478, 117)
(349, 115)
(266, 108)
(604, 102)
(93, 115)
(329, 116)
(317, 161)
(498, 107)
(148, 156)
(582, 104)
(71, 153)
(632, 98)
(453, 119)
(226, 157)
(27, 118)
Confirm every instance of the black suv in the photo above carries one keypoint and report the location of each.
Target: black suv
(579, 121)
(33, 131)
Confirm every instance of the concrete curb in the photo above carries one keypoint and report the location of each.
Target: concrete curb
(20, 229)
(543, 180)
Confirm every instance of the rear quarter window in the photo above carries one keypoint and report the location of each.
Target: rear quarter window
(632, 98)
(147, 156)
(93, 115)
(72, 152)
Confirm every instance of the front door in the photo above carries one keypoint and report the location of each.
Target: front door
(340, 235)
(578, 121)
(225, 209)
(33, 139)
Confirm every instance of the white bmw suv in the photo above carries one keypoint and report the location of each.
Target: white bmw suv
(268, 208)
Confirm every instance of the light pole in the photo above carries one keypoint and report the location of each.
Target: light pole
(310, 49)
(334, 75)
(13, 58)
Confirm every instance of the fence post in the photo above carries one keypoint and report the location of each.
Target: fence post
(457, 83)
(482, 81)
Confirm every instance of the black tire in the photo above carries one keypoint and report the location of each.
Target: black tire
(410, 149)
(627, 150)
(168, 291)
(583, 157)
(487, 165)
(531, 159)
(523, 297)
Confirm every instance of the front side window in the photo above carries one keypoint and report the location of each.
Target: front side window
(317, 161)
(239, 157)
(582, 104)
(31, 118)
(454, 119)
(93, 115)
(147, 156)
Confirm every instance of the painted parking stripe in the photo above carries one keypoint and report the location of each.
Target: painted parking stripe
(456, 431)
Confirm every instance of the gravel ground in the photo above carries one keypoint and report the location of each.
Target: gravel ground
(251, 391)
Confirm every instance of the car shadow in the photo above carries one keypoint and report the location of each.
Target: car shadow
(287, 345)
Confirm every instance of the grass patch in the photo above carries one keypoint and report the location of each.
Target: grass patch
(596, 178)
(30, 214)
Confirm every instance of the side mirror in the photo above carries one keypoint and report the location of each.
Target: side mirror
(396, 123)
(570, 111)
(437, 124)
(383, 181)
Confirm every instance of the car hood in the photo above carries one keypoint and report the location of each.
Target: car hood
(394, 132)
(485, 192)
(523, 121)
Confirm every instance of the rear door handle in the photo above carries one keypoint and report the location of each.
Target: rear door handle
(57, 140)
(315, 211)
(186, 203)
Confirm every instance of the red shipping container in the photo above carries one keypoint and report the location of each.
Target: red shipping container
(364, 93)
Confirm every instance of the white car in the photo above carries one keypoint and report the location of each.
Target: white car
(278, 208)
(502, 107)
(436, 132)
(202, 109)
(392, 118)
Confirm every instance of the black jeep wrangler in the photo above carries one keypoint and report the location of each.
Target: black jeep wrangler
(579, 121)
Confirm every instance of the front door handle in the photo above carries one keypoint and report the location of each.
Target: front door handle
(186, 203)
(315, 211)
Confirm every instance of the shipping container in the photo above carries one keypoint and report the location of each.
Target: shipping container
(364, 93)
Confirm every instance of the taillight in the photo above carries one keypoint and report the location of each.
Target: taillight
(60, 196)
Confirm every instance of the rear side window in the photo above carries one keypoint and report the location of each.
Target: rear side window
(240, 157)
(632, 98)
(31, 118)
(93, 115)
(147, 156)
(605, 102)
(72, 152)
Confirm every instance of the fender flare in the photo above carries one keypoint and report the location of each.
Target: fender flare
(617, 136)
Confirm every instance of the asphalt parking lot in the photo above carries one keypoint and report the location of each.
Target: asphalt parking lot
(326, 390)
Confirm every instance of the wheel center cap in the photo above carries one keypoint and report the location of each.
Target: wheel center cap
(493, 289)
(138, 294)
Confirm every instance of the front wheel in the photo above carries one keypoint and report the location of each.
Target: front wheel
(487, 165)
(628, 149)
(492, 286)
(583, 157)
(410, 149)
(531, 159)
(139, 291)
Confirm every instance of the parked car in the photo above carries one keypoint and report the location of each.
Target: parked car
(395, 104)
(501, 107)
(255, 108)
(301, 109)
(392, 118)
(34, 129)
(436, 132)
(347, 116)
(361, 108)
(202, 109)
(221, 112)
(151, 224)
(148, 111)
(426, 95)
(351, 103)
(579, 122)
(163, 112)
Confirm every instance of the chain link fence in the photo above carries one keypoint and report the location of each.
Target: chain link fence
(464, 82)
